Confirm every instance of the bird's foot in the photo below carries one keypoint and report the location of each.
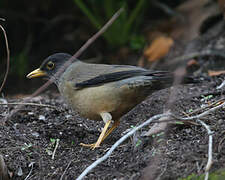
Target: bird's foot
(92, 146)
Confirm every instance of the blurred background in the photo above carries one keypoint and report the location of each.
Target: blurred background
(144, 33)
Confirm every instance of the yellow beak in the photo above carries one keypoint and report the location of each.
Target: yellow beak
(36, 73)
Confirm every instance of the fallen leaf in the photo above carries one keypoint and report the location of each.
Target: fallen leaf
(159, 47)
(215, 73)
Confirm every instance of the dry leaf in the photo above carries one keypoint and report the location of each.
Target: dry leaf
(158, 48)
(215, 73)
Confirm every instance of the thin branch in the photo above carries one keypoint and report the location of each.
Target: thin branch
(159, 126)
(101, 31)
(30, 104)
(81, 50)
(206, 107)
(156, 117)
(98, 161)
(209, 163)
(56, 146)
(199, 115)
(68, 165)
(221, 85)
(32, 166)
(8, 57)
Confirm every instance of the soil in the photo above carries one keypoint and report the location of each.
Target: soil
(28, 138)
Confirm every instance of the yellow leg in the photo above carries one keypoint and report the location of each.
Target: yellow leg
(100, 138)
(107, 133)
(107, 118)
(114, 126)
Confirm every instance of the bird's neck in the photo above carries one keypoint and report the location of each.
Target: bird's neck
(68, 72)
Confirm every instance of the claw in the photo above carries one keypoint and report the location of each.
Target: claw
(92, 146)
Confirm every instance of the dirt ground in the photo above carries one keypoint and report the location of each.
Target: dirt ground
(29, 137)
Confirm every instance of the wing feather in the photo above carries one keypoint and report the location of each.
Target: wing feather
(117, 76)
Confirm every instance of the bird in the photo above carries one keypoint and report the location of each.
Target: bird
(102, 91)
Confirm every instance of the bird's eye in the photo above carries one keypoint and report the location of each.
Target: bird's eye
(50, 65)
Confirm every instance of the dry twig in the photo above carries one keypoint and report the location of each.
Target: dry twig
(159, 126)
(200, 115)
(8, 56)
(32, 166)
(68, 165)
(206, 107)
(56, 146)
(98, 161)
(81, 50)
(31, 104)
(209, 163)
(221, 85)
(156, 117)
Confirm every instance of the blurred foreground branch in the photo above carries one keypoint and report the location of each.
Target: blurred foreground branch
(157, 117)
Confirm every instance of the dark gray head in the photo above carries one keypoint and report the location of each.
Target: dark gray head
(53, 64)
(52, 67)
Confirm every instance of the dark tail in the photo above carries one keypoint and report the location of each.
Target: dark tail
(170, 78)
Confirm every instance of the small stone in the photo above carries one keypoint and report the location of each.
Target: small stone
(188, 131)
(4, 101)
(30, 113)
(20, 171)
(221, 121)
(35, 134)
(41, 117)
(68, 116)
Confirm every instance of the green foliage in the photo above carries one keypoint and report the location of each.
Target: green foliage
(157, 135)
(52, 140)
(179, 122)
(20, 60)
(20, 64)
(218, 175)
(137, 42)
(206, 98)
(138, 143)
(124, 30)
(26, 146)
